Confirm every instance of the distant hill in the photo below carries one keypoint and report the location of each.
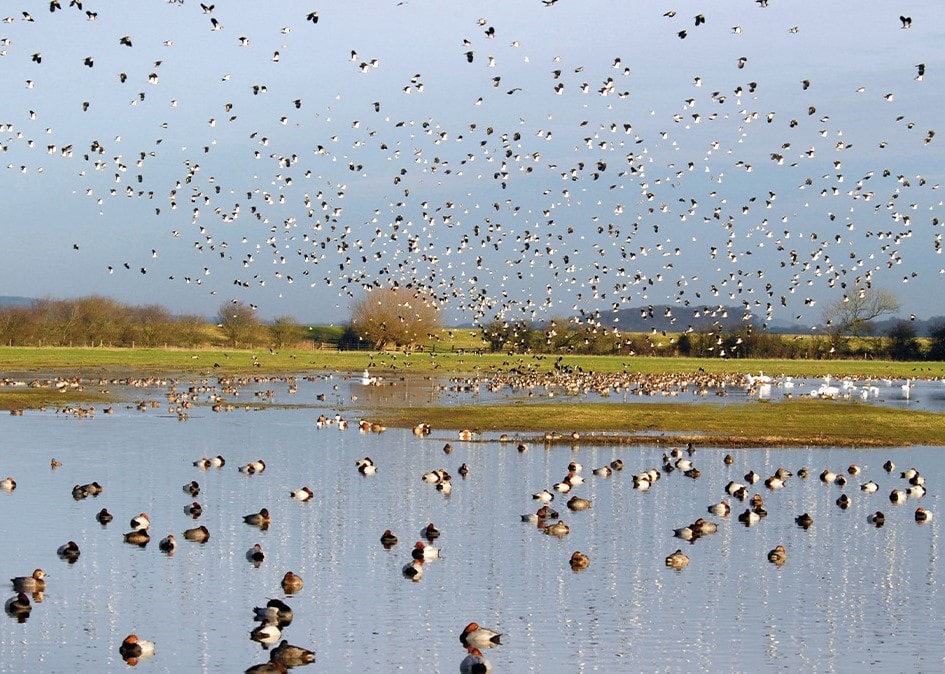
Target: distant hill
(922, 327)
(664, 317)
(12, 301)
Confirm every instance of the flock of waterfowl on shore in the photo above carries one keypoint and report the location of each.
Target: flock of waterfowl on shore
(569, 381)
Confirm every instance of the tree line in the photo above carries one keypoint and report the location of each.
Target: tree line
(403, 318)
(567, 337)
(101, 321)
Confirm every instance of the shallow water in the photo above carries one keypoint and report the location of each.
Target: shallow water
(928, 395)
(850, 596)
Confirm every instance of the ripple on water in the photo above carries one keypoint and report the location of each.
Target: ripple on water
(849, 595)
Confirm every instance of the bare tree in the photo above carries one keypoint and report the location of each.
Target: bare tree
(151, 325)
(853, 314)
(100, 319)
(190, 330)
(58, 320)
(238, 322)
(285, 330)
(398, 316)
(19, 325)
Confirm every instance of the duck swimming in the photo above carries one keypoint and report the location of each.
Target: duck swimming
(255, 554)
(200, 534)
(388, 539)
(722, 508)
(366, 466)
(685, 533)
(703, 527)
(260, 519)
(275, 611)
(778, 556)
(677, 560)
(133, 648)
(749, 517)
(540, 515)
(253, 467)
(413, 570)
(141, 522)
(291, 656)
(897, 496)
(138, 537)
(544, 496)
(558, 529)
(69, 551)
(303, 494)
(291, 583)
(33, 583)
(579, 561)
(195, 510)
(577, 503)
(804, 521)
(479, 637)
(424, 551)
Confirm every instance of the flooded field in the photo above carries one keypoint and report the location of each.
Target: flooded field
(847, 595)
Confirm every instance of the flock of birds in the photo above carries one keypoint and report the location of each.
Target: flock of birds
(912, 487)
(830, 388)
(491, 175)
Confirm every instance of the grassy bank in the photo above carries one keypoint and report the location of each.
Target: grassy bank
(786, 423)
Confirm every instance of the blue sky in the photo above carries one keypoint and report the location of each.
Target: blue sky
(653, 179)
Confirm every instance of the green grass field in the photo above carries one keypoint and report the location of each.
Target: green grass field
(442, 361)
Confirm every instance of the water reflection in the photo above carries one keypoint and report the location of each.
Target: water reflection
(19, 607)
